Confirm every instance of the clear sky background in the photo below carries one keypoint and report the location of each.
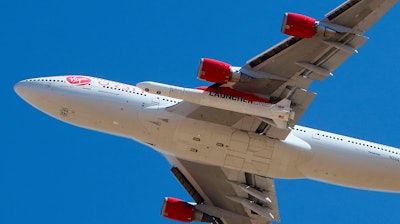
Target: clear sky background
(55, 173)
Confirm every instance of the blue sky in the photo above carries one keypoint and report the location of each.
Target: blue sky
(51, 172)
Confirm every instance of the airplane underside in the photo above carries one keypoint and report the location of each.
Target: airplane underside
(227, 141)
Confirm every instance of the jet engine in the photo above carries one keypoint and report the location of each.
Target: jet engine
(214, 71)
(306, 27)
(182, 211)
(219, 72)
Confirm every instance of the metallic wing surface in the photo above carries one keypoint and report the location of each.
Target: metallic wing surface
(286, 70)
(296, 62)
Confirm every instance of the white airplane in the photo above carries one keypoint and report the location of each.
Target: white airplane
(227, 142)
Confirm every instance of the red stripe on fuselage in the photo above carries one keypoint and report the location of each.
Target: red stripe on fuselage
(236, 93)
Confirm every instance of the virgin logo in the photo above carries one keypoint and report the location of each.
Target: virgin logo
(78, 80)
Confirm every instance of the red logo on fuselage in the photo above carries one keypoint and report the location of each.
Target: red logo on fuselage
(78, 80)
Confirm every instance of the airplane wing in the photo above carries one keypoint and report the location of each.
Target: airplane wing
(287, 69)
(226, 194)
(284, 71)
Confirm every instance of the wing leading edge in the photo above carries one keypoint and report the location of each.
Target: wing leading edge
(300, 61)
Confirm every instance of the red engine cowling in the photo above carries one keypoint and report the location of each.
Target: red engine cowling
(214, 71)
(299, 25)
(177, 210)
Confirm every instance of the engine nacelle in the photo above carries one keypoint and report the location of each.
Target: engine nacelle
(182, 211)
(306, 27)
(219, 72)
(298, 25)
(214, 71)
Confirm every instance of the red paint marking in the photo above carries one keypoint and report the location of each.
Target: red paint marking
(78, 80)
(116, 85)
(236, 93)
(104, 83)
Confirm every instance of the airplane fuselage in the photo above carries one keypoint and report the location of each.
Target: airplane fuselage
(129, 111)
